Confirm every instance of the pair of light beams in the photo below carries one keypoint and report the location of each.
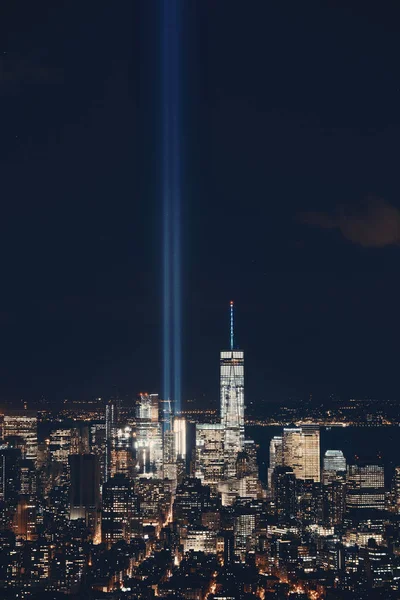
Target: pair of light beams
(171, 190)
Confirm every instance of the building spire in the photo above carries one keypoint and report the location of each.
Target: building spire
(232, 337)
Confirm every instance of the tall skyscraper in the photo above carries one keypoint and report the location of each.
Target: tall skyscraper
(232, 401)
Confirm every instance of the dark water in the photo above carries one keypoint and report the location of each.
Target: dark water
(362, 441)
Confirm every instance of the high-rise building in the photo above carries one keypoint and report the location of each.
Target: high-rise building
(149, 438)
(23, 423)
(301, 451)
(155, 500)
(120, 506)
(180, 437)
(365, 485)
(232, 402)
(311, 465)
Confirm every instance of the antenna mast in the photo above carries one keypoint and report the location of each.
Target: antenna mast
(232, 338)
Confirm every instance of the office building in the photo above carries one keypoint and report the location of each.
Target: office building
(155, 498)
(210, 460)
(85, 491)
(311, 453)
(191, 500)
(244, 526)
(301, 451)
(365, 485)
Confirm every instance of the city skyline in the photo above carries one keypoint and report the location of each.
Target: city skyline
(199, 320)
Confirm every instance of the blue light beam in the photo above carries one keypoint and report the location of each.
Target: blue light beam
(171, 182)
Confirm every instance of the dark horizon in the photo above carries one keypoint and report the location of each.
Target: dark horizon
(290, 199)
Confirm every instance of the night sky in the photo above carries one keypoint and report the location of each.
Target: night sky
(291, 196)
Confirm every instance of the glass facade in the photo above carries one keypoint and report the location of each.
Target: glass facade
(232, 405)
